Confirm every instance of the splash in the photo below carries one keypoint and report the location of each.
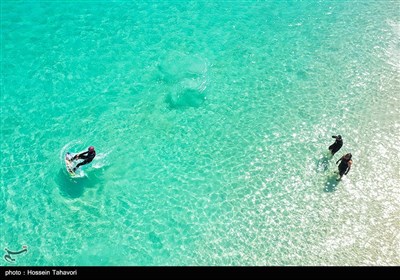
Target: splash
(100, 160)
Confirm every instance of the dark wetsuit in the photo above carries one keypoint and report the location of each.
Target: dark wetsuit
(336, 146)
(343, 165)
(87, 156)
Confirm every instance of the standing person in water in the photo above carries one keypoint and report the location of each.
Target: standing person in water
(88, 156)
(337, 145)
(345, 165)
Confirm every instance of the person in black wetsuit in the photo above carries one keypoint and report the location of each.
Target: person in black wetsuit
(337, 145)
(87, 156)
(345, 165)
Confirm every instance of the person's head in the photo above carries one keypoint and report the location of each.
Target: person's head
(339, 137)
(348, 156)
(91, 149)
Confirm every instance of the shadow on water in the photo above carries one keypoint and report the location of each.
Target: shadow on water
(322, 164)
(331, 183)
(74, 187)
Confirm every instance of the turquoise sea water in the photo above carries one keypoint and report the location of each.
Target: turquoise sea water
(211, 121)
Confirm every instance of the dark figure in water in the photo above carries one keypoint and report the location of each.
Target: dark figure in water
(87, 156)
(345, 165)
(337, 145)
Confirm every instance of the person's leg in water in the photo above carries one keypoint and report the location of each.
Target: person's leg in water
(80, 164)
(333, 149)
(341, 172)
